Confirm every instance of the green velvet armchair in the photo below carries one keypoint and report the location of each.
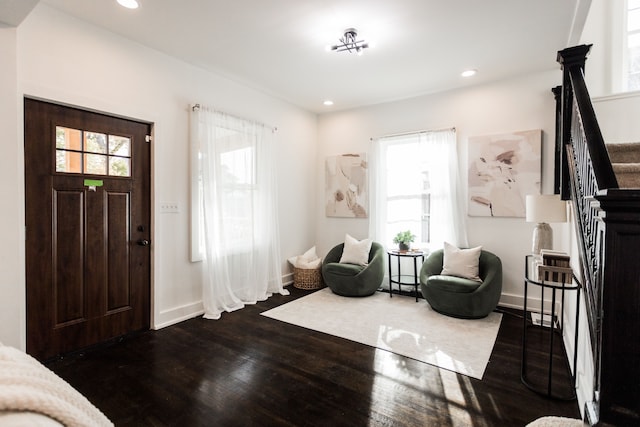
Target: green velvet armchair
(459, 297)
(352, 280)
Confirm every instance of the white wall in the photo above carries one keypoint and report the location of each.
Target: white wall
(615, 109)
(598, 31)
(523, 103)
(12, 297)
(617, 116)
(63, 59)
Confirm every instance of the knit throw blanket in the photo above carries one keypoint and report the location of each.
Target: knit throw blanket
(27, 385)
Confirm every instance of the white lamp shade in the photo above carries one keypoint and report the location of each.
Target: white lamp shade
(545, 208)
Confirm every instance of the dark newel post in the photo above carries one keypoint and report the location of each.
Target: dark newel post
(557, 94)
(620, 349)
(569, 58)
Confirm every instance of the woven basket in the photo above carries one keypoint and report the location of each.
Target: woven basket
(307, 278)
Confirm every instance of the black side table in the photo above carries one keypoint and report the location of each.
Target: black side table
(555, 328)
(405, 279)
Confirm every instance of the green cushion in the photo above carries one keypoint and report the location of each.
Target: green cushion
(453, 284)
(342, 269)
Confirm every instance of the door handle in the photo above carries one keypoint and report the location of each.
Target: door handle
(144, 242)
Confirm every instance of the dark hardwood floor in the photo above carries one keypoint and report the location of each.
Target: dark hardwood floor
(249, 370)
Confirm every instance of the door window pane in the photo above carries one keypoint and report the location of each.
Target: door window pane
(68, 161)
(119, 146)
(67, 138)
(95, 142)
(95, 164)
(119, 166)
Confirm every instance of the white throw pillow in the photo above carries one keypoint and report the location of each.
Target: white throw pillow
(309, 255)
(307, 260)
(356, 251)
(303, 263)
(461, 262)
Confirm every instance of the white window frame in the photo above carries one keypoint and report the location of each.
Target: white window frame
(446, 221)
(619, 46)
(422, 237)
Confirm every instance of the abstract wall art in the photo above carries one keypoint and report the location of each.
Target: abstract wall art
(503, 169)
(346, 188)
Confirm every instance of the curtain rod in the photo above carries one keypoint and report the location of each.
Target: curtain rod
(196, 107)
(412, 133)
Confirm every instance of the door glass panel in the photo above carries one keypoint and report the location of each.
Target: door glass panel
(95, 164)
(95, 142)
(70, 139)
(68, 161)
(119, 145)
(119, 166)
(102, 154)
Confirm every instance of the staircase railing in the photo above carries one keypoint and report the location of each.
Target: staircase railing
(586, 170)
(607, 223)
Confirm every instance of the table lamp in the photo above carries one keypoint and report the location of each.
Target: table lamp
(544, 209)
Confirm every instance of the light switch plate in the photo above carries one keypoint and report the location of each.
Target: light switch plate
(169, 207)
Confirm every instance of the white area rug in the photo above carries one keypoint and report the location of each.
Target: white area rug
(399, 325)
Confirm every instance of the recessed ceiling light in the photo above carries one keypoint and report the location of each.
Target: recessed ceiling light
(129, 4)
(328, 102)
(469, 73)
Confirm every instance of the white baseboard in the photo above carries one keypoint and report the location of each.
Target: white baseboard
(516, 301)
(287, 279)
(189, 311)
(511, 301)
(178, 314)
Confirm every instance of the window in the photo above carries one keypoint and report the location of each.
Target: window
(408, 196)
(632, 46)
(230, 167)
(415, 185)
(238, 193)
(234, 224)
(83, 152)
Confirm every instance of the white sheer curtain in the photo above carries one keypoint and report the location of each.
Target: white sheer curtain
(405, 167)
(240, 240)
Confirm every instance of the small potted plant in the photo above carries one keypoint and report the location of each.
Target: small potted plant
(403, 239)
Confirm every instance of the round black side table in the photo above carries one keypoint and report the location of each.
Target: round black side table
(405, 279)
(555, 329)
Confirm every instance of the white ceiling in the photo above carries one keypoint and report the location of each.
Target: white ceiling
(12, 12)
(278, 46)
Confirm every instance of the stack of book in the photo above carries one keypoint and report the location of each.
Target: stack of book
(554, 266)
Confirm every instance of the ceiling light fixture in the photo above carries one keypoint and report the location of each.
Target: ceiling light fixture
(328, 102)
(350, 43)
(469, 73)
(129, 4)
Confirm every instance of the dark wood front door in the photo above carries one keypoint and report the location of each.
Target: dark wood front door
(87, 183)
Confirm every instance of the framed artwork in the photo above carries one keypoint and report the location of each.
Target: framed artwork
(503, 169)
(346, 188)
